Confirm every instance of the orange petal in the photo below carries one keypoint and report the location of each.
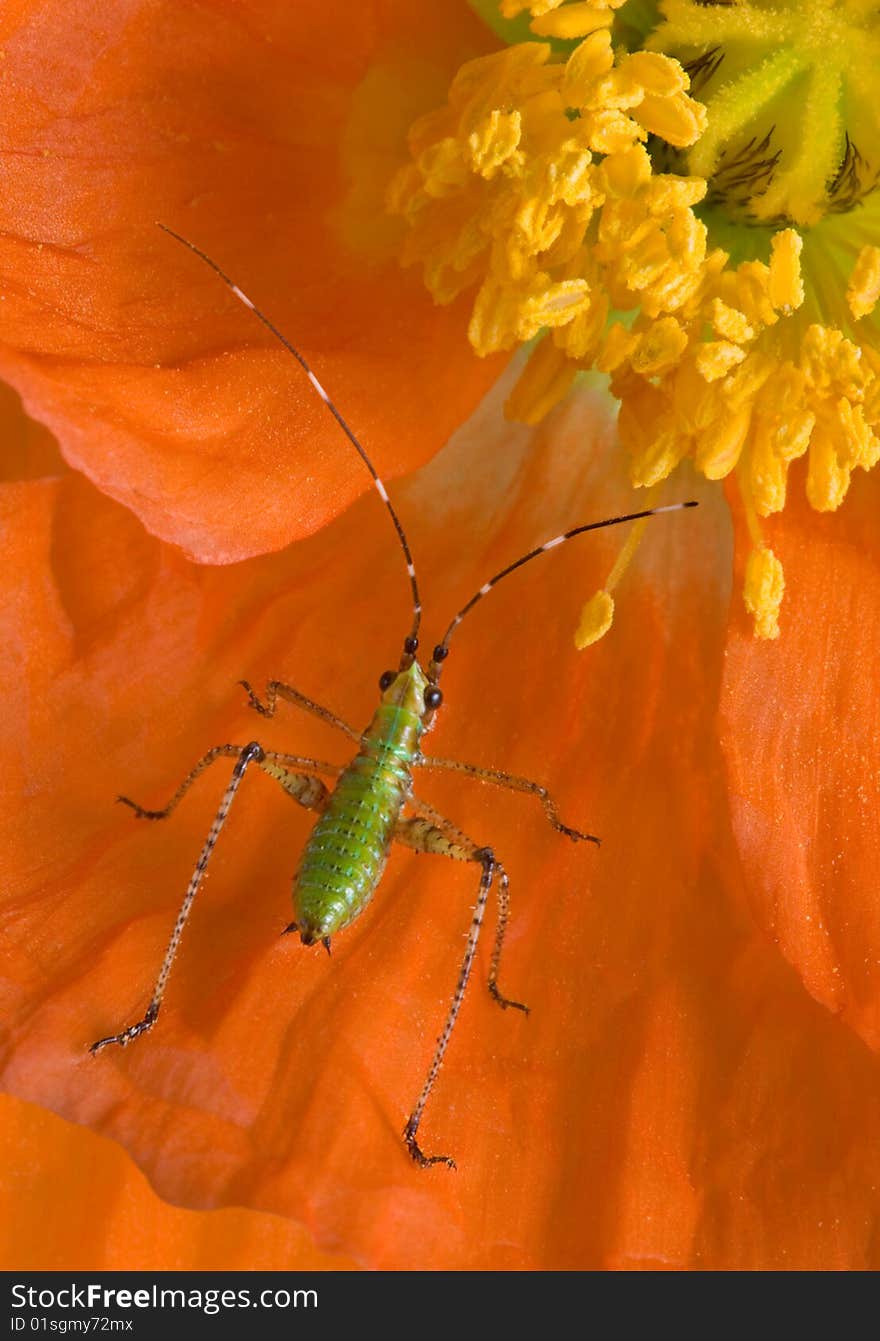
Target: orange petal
(801, 730)
(675, 1098)
(60, 1167)
(266, 139)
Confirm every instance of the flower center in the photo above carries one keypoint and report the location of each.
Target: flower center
(599, 209)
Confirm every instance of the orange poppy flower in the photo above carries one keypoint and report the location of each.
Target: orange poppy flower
(675, 1098)
(692, 1087)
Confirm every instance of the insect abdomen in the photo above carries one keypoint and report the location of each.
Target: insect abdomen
(346, 853)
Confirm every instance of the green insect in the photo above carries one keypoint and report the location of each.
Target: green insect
(372, 803)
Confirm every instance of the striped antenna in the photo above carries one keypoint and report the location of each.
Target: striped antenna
(412, 641)
(442, 648)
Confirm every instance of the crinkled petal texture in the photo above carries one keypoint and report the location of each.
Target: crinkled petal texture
(676, 1097)
(265, 133)
(116, 1221)
(801, 734)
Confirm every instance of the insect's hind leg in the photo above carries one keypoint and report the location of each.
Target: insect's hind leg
(454, 842)
(423, 835)
(514, 783)
(307, 790)
(275, 689)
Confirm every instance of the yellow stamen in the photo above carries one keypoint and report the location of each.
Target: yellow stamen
(785, 288)
(587, 63)
(764, 585)
(763, 592)
(576, 20)
(494, 141)
(827, 476)
(678, 119)
(598, 613)
(555, 181)
(864, 285)
(595, 621)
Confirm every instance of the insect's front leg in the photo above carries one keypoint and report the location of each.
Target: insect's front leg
(423, 834)
(286, 769)
(276, 689)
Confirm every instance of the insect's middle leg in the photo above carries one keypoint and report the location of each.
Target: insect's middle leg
(514, 783)
(308, 790)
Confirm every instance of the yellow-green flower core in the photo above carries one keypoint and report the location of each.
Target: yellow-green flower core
(716, 258)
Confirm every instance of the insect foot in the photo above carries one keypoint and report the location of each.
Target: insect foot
(424, 1161)
(505, 1001)
(140, 812)
(255, 703)
(577, 837)
(130, 1034)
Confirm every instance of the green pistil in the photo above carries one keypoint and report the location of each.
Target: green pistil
(793, 131)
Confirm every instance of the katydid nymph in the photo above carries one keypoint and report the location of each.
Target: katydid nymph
(370, 803)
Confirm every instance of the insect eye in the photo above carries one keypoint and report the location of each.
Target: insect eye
(433, 697)
(387, 678)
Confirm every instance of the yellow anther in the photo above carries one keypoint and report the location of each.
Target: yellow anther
(511, 8)
(658, 459)
(763, 592)
(609, 131)
(827, 479)
(494, 320)
(619, 343)
(571, 180)
(678, 120)
(443, 168)
(717, 357)
(659, 348)
(857, 442)
(494, 141)
(730, 323)
(589, 62)
(785, 286)
(675, 193)
(626, 173)
(595, 621)
(767, 473)
(793, 434)
(654, 73)
(864, 283)
(552, 305)
(580, 338)
(741, 386)
(577, 20)
(719, 446)
(747, 288)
